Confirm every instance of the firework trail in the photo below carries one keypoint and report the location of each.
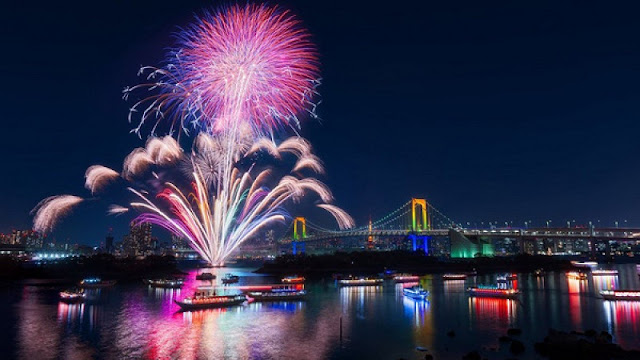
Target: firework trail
(98, 176)
(227, 202)
(157, 151)
(344, 220)
(50, 210)
(117, 210)
(251, 65)
(220, 215)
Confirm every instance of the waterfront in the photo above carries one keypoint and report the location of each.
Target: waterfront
(136, 321)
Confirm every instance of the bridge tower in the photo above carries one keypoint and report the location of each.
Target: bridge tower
(422, 204)
(416, 227)
(370, 237)
(297, 237)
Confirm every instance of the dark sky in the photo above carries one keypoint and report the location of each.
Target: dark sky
(493, 111)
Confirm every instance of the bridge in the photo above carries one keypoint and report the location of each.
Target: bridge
(416, 222)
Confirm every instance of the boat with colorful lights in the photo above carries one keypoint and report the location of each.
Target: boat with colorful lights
(209, 299)
(584, 263)
(230, 279)
(403, 278)
(575, 275)
(360, 281)
(293, 279)
(95, 283)
(275, 295)
(622, 295)
(72, 296)
(454, 276)
(415, 292)
(207, 276)
(508, 277)
(604, 272)
(165, 282)
(492, 291)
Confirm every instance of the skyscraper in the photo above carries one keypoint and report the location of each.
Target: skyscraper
(108, 245)
(138, 241)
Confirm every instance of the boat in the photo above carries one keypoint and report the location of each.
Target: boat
(538, 272)
(492, 291)
(275, 295)
(205, 276)
(165, 283)
(454, 276)
(230, 279)
(360, 281)
(402, 278)
(389, 274)
(72, 296)
(209, 299)
(415, 292)
(94, 283)
(625, 295)
(584, 263)
(604, 272)
(293, 279)
(575, 275)
(508, 277)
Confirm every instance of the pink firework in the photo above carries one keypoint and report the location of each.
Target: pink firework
(244, 67)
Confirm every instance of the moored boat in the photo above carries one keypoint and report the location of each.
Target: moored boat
(209, 299)
(624, 295)
(94, 283)
(293, 279)
(275, 295)
(538, 272)
(454, 276)
(207, 276)
(576, 275)
(73, 296)
(360, 281)
(492, 291)
(584, 263)
(230, 279)
(415, 292)
(402, 278)
(165, 283)
(604, 272)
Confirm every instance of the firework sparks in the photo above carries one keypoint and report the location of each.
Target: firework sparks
(117, 210)
(344, 220)
(98, 176)
(163, 151)
(309, 162)
(135, 163)
(50, 210)
(251, 64)
(229, 207)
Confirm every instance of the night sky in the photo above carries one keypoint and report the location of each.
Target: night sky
(501, 111)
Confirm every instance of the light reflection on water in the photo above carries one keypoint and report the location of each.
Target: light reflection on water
(136, 321)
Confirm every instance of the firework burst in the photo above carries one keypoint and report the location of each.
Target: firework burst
(251, 65)
(234, 191)
(50, 210)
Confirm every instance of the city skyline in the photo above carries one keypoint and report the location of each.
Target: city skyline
(534, 123)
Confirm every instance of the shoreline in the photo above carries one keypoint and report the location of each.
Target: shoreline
(371, 263)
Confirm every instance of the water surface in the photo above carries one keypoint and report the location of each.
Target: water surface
(135, 321)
